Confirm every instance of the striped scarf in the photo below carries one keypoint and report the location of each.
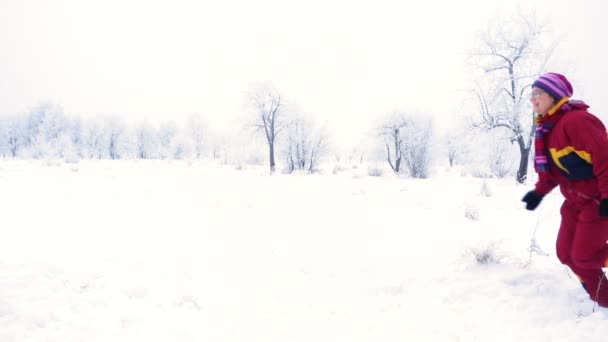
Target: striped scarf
(544, 124)
(541, 160)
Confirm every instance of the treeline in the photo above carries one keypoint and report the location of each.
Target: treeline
(46, 132)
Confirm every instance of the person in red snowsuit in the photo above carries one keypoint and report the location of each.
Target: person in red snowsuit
(571, 151)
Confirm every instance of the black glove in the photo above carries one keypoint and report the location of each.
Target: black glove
(532, 199)
(604, 207)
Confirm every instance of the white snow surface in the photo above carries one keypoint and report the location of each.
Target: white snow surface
(195, 251)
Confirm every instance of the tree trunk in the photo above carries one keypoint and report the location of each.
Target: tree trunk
(388, 156)
(397, 150)
(291, 163)
(390, 162)
(271, 151)
(522, 172)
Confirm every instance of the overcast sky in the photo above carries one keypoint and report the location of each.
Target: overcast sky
(343, 61)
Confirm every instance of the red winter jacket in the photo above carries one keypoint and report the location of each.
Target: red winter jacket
(578, 156)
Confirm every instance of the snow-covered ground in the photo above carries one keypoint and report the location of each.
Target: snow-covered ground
(178, 251)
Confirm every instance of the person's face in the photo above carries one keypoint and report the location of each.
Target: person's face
(541, 101)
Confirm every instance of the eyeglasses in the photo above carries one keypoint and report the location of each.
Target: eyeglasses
(536, 93)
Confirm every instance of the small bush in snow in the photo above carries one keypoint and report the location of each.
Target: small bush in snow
(535, 248)
(485, 255)
(374, 171)
(485, 189)
(471, 213)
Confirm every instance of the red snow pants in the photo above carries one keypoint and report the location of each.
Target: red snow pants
(581, 245)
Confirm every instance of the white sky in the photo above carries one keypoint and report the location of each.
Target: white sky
(344, 61)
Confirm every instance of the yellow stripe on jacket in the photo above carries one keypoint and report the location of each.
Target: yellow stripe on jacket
(566, 151)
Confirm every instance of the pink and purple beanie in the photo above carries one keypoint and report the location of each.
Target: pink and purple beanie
(556, 85)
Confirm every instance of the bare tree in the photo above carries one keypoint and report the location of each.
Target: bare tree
(166, 133)
(407, 142)
(452, 145)
(392, 132)
(44, 124)
(318, 151)
(116, 131)
(417, 147)
(512, 54)
(67, 150)
(268, 106)
(146, 143)
(14, 135)
(305, 146)
(458, 142)
(197, 131)
(95, 139)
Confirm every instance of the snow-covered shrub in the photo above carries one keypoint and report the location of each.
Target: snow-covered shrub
(486, 254)
(535, 248)
(471, 213)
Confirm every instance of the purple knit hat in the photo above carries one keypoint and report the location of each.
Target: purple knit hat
(557, 85)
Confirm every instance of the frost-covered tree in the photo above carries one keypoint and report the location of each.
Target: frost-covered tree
(217, 145)
(95, 141)
(12, 136)
(452, 149)
(146, 143)
(392, 131)
(166, 134)
(117, 140)
(457, 144)
(305, 144)
(182, 147)
(407, 142)
(67, 148)
(44, 125)
(196, 132)
(512, 53)
(417, 147)
(268, 108)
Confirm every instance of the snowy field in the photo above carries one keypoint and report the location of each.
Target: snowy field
(178, 251)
